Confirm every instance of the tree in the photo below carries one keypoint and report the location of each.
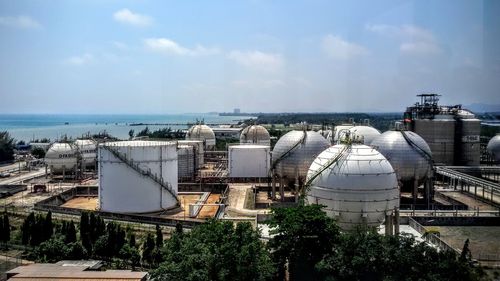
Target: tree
(303, 235)
(148, 248)
(85, 232)
(5, 237)
(26, 228)
(132, 242)
(159, 237)
(131, 134)
(7, 145)
(47, 227)
(38, 152)
(215, 250)
(70, 233)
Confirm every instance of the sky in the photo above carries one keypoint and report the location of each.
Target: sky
(169, 57)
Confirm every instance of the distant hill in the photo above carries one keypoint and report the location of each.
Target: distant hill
(482, 107)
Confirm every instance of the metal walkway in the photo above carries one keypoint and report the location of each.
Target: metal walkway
(481, 189)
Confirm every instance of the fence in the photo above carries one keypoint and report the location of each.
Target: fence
(431, 238)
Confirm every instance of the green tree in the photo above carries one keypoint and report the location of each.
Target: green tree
(70, 233)
(5, 237)
(215, 250)
(303, 236)
(85, 232)
(7, 145)
(38, 152)
(26, 228)
(131, 134)
(132, 242)
(52, 250)
(159, 237)
(47, 227)
(147, 249)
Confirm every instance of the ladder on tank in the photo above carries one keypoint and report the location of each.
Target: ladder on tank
(165, 185)
(325, 166)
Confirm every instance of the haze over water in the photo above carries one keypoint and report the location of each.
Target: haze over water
(37, 126)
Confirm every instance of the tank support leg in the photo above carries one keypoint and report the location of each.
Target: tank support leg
(282, 190)
(396, 221)
(273, 184)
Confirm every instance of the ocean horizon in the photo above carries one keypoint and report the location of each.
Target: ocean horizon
(28, 127)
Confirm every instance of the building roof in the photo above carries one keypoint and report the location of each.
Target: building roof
(46, 271)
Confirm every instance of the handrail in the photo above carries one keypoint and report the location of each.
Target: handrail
(165, 185)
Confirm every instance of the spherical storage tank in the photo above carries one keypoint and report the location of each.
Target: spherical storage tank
(356, 183)
(294, 152)
(408, 153)
(494, 147)
(255, 134)
(363, 134)
(203, 133)
(137, 176)
(61, 158)
(88, 151)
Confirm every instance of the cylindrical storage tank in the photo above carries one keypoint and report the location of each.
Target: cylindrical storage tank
(255, 134)
(88, 151)
(494, 147)
(137, 176)
(249, 161)
(356, 183)
(61, 158)
(408, 153)
(439, 134)
(470, 142)
(199, 151)
(202, 133)
(294, 152)
(186, 161)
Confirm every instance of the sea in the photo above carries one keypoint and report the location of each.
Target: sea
(29, 127)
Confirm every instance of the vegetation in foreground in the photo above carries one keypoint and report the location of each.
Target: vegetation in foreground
(306, 245)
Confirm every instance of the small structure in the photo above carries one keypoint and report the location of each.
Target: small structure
(72, 270)
(249, 161)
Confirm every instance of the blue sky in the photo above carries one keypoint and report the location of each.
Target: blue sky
(260, 56)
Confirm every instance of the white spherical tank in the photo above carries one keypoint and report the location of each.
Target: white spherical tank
(61, 158)
(87, 150)
(362, 134)
(408, 153)
(295, 151)
(494, 147)
(137, 176)
(255, 134)
(357, 185)
(202, 133)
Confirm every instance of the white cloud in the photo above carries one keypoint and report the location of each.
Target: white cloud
(257, 60)
(420, 48)
(337, 48)
(170, 47)
(80, 60)
(128, 17)
(415, 40)
(24, 22)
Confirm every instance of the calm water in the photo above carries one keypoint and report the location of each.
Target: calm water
(28, 127)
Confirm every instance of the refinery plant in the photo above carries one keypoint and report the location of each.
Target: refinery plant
(425, 170)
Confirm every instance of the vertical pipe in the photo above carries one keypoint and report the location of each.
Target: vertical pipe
(396, 221)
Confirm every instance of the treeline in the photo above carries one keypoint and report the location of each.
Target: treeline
(380, 121)
(307, 245)
(51, 242)
(7, 146)
(164, 133)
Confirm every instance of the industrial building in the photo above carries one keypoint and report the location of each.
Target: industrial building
(451, 131)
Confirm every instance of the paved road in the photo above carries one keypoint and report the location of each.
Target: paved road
(23, 177)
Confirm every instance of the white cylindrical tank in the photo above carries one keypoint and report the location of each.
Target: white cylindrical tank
(408, 153)
(88, 151)
(249, 161)
(255, 134)
(137, 176)
(356, 184)
(494, 147)
(61, 158)
(202, 133)
(186, 161)
(294, 152)
(199, 151)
